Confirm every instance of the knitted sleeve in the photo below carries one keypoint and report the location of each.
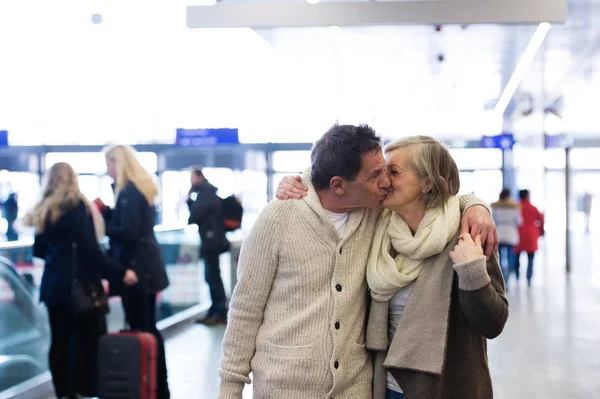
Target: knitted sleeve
(482, 297)
(468, 200)
(257, 268)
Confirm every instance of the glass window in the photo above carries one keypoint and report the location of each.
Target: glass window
(528, 158)
(486, 184)
(585, 158)
(25, 184)
(95, 163)
(477, 158)
(555, 158)
(291, 161)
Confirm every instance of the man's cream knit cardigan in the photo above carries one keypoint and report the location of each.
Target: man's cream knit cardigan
(297, 314)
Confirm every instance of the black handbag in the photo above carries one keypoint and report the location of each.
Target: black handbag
(88, 298)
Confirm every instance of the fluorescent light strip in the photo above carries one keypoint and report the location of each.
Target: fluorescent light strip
(515, 80)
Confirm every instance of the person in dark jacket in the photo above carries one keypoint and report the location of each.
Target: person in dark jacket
(61, 219)
(130, 228)
(206, 210)
(11, 212)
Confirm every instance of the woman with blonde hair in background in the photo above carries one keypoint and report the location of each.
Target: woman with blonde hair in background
(65, 238)
(130, 228)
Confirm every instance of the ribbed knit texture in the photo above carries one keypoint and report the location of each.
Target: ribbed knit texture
(297, 279)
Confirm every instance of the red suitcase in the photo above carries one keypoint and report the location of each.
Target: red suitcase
(127, 366)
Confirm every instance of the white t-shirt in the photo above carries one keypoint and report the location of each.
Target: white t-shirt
(340, 221)
(397, 306)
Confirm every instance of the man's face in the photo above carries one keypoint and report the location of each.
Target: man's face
(371, 184)
(196, 179)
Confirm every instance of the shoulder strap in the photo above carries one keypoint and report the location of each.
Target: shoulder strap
(74, 261)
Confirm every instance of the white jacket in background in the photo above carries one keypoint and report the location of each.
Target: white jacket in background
(507, 216)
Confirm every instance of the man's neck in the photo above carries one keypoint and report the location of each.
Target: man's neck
(334, 203)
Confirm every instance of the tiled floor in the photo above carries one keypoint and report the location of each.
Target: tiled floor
(550, 347)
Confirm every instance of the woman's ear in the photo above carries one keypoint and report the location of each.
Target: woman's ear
(427, 186)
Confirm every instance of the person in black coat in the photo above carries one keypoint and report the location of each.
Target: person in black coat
(206, 210)
(11, 212)
(62, 221)
(130, 228)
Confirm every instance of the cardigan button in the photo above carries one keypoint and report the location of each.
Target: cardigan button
(337, 325)
(338, 288)
(336, 365)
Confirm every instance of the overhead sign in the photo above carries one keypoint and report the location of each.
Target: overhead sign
(3, 138)
(206, 137)
(563, 140)
(272, 14)
(504, 141)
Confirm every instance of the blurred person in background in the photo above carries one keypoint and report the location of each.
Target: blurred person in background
(130, 228)
(507, 216)
(530, 231)
(62, 218)
(206, 211)
(11, 213)
(586, 207)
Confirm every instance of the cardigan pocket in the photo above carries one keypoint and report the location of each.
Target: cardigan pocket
(303, 351)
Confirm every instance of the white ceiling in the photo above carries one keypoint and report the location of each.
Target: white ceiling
(141, 73)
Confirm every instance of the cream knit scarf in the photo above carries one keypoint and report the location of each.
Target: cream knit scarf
(385, 274)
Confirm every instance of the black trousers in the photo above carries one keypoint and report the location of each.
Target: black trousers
(73, 353)
(141, 315)
(212, 275)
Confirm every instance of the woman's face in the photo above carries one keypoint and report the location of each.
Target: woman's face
(111, 168)
(406, 188)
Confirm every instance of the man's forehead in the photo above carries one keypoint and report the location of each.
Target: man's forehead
(373, 160)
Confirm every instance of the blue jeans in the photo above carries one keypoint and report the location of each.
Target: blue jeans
(212, 275)
(508, 259)
(530, 256)
(394, 395)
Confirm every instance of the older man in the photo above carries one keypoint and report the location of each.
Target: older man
(297, 315)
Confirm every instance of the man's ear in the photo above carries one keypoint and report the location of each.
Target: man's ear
(337, 185)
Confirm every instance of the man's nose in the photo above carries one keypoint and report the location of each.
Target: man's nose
(385, 181)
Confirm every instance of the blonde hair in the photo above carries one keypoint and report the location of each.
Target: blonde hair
(129, 169)
(60, 193)
(431, 161)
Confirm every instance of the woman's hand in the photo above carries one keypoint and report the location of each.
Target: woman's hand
(130, 278)
(291, 187)
(466, 250)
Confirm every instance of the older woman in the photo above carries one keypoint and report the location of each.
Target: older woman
(435, 297)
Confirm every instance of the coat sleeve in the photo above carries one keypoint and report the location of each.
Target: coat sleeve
(200, 208)
(89, 249)
(257, 268)
(481, 295)
(39, 246)
(124, 223)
